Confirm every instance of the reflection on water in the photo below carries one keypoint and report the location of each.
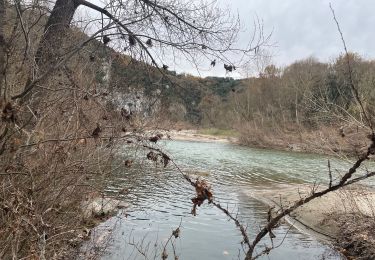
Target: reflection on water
(160, 202)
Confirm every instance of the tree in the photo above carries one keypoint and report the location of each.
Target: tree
(303, 82)
(270, 71)
(61, 132)
(2, 44)
(193, 30)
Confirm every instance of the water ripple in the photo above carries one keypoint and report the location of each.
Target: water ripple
(160, 199)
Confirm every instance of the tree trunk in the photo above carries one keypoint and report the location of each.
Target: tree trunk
(51, 47)
(2, 45)
(55, 33)
(296, 101)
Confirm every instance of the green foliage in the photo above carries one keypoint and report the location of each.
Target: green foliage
(221, 86)
(218, 132)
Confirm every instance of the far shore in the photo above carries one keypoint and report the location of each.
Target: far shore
(280, 144)
(194, 135)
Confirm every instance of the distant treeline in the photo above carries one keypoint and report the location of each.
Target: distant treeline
(307, 93)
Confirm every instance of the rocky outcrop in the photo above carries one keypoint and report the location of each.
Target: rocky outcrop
(100, 207)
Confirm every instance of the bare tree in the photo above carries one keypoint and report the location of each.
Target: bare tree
(59, 134)
(2, 43)
(193, 30)
(347, 179)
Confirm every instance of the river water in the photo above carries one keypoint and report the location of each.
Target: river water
(160, 201)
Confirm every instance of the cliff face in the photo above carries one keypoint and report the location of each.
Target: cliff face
(138, 87)
(129, 84)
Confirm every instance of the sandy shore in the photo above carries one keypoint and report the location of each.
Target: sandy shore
(193, 135)
(340, 216)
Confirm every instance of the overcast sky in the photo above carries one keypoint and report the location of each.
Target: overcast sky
(300, 29)
(303, 28)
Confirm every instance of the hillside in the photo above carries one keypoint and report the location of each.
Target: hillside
(179, 96)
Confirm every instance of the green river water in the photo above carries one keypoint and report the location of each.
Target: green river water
(160, 201)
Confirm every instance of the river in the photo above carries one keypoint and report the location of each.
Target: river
(160, 201)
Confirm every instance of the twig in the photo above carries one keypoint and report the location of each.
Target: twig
(342, 183)
(330, 174)
(350, 72)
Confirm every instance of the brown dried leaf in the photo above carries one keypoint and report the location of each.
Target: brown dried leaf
(9, 113)
(176, 233)
(96, 131)
(153, 139)
(166, 160)
(128, 163)
(203, 191)
(152, 156)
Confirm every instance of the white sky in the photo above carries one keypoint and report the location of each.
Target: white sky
(303, 28)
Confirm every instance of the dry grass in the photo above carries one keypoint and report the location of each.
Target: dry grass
(325, 140)
(356, 223)
(51, 160)
(48, 168)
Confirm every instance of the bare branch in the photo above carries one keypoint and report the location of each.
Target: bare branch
(350, 73)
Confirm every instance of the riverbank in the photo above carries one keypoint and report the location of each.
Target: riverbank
(345, 217)
(326, 141)
(197, 135)
(332, 140)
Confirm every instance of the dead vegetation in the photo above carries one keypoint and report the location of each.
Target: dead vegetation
(60, 132)
(60, 129)
(332, 140)
(356, 236)
(50, 168)
(57, 148)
